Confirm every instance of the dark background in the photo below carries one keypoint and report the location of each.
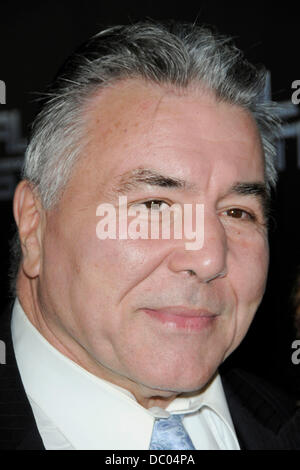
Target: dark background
(36, 37)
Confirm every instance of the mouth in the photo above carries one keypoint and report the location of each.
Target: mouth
(181, 317)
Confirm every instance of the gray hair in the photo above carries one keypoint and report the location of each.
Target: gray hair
(176, 54)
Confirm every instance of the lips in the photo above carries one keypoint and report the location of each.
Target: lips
(182, 317)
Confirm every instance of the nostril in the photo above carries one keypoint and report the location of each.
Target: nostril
(191, 272)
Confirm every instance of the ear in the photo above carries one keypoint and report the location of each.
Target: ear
(28, 217)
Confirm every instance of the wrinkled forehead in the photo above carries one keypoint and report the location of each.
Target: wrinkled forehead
(184, 134)
(138, 98)
(128, 108)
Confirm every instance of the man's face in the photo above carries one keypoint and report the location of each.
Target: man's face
(149, 313)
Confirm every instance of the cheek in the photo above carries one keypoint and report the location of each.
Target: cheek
(249, 274)
(253, 269)
(125, 263)
(74, 257)
(100, 276)
(248, 262)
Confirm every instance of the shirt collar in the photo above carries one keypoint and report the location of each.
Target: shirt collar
(109, 416)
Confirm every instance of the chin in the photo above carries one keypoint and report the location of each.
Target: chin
(183, 383)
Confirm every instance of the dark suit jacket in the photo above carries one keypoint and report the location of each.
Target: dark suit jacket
(263, 418)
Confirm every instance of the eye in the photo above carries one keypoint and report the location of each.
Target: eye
(238, 213)
(154, 204)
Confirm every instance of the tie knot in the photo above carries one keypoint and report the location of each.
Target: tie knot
(170, 434)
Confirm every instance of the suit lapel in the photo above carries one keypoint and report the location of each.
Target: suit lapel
(263, 418)
(18, 429)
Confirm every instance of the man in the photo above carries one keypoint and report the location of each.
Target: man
(117, 336)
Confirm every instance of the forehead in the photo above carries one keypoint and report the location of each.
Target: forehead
(135, 124)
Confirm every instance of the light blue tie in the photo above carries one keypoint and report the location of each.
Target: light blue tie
(170, 434)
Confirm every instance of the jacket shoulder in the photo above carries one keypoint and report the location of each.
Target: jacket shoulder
(18, 429)
(263, 414)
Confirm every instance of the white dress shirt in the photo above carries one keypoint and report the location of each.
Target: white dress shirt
(75, 410)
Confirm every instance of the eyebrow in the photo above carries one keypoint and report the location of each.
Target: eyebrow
(133, 179)
(139, 176)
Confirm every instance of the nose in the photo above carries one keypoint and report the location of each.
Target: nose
(208, 262)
